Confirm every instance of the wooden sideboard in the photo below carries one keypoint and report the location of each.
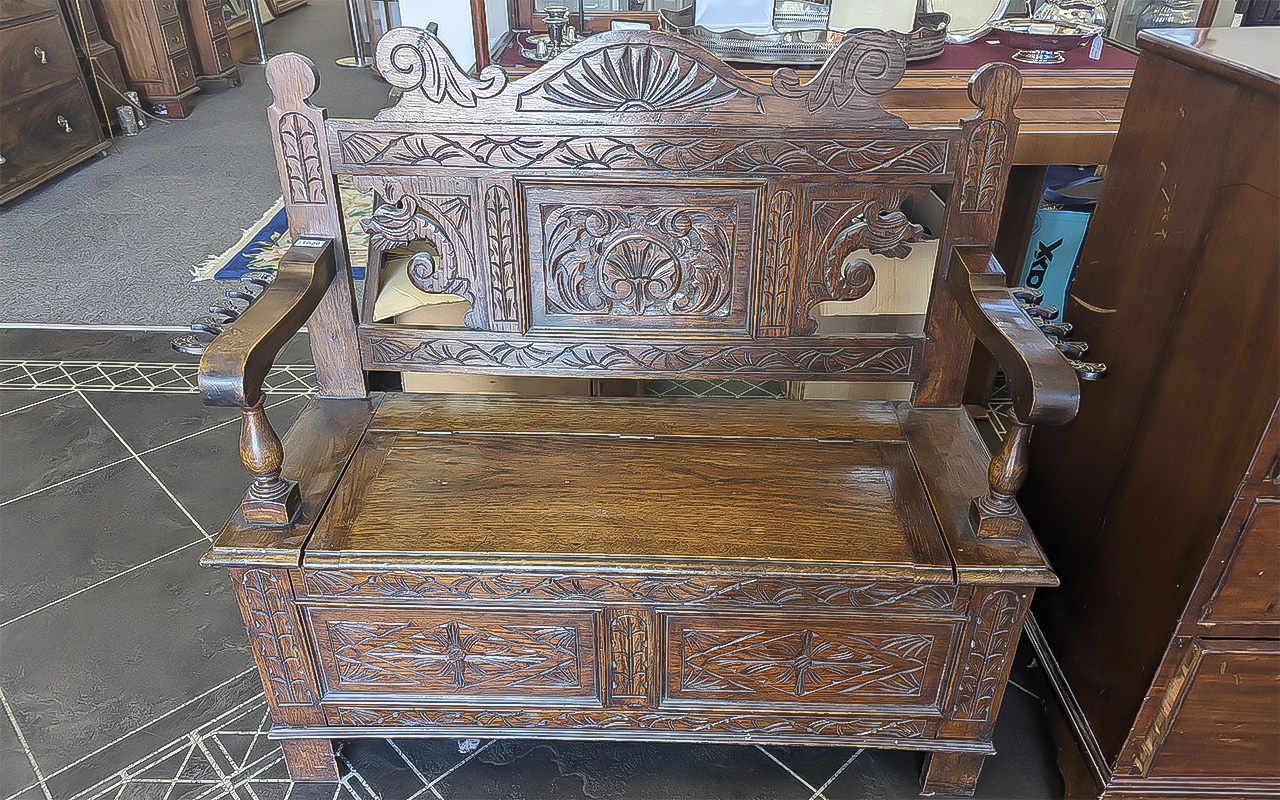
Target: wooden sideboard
(210, 42)
(153, 43)
(47, 121)
(1160, 504)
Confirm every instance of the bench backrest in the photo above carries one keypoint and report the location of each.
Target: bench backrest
(637, 208)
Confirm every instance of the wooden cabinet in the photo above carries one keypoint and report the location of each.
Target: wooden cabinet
(210, 42)
(47, 122)
(158, 60)
(1159, 504)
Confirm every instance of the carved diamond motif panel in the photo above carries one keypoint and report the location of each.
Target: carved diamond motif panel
(808, 661)
(657, 258)
(442, 653)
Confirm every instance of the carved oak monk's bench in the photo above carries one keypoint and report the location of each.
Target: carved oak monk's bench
(843, 573)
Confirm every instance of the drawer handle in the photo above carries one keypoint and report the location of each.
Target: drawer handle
(3, 160)
(40, 54)
(64, 124)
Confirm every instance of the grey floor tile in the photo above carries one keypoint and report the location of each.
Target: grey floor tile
(62, 540)
(150, 420)
(110, 661)
(205, 472)
(51, 442)
(632, 770)
(813, 765)
(16, 772)
(89, 344)
(13, 399)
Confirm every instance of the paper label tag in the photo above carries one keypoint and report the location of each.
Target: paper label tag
(309, 243)
(1095, 49)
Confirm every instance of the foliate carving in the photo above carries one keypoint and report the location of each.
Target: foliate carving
(688, 591)
(638, 261)
(300, 148)
(392, 348)
(719, 661)
(865, 65)
(501, 249)
(842, 228)
(637, 77)
(625, 719)
(682, 155)
(779, 260)
(444, 223)
(275, 636)
(990, 644)
(629, 646)
(983, 165)
(422, 66)
(454, 656)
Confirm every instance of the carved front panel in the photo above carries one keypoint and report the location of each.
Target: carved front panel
(805, 660)
(444, 653)
(619, 257)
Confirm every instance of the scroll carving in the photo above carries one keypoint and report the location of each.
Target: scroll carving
(638, 261)
(501, 250)
(799, 663)
(983, 166)
(300, 148)
(640, 77)
(275, 637)
(992, 642)
(633, 357)
(864, 66)
(779, 260)
(680, 154)
(729, 724)
(454, 656)
(443, 222)
(423, 68)
(629, 645)
(842, 228)
(699, 591)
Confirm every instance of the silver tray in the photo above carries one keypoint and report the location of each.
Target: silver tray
(802, 47)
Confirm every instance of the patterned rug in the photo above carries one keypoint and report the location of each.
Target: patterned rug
(263, 244)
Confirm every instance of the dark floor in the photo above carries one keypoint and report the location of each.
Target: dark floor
(124, 671)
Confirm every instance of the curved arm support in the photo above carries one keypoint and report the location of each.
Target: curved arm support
(237, 362)
(1043, 384)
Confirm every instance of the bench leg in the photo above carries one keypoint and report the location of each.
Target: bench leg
(951, 773)
(310, 760)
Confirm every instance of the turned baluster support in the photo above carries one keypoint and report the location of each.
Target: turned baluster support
(996, 515)
(271, 500)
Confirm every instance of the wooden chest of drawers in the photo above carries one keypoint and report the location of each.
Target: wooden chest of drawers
(158, 61)
(47, 122)
(210, 42)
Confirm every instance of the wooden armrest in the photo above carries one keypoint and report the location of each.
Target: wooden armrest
(1043, 384)
(237, 361)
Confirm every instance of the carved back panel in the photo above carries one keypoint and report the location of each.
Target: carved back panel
(636, 207)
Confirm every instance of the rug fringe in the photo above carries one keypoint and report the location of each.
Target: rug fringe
(205, 270)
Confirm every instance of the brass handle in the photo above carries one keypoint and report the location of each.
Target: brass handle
(64, 124)
(40, 54)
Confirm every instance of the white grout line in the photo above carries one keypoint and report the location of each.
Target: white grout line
(790, 771)
(1017, 685)
(432, 786)
(22, 740)
(119, 739)
(134, 568)
(36, 403)
(156, 477)
(818, 795)
(148, 451)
